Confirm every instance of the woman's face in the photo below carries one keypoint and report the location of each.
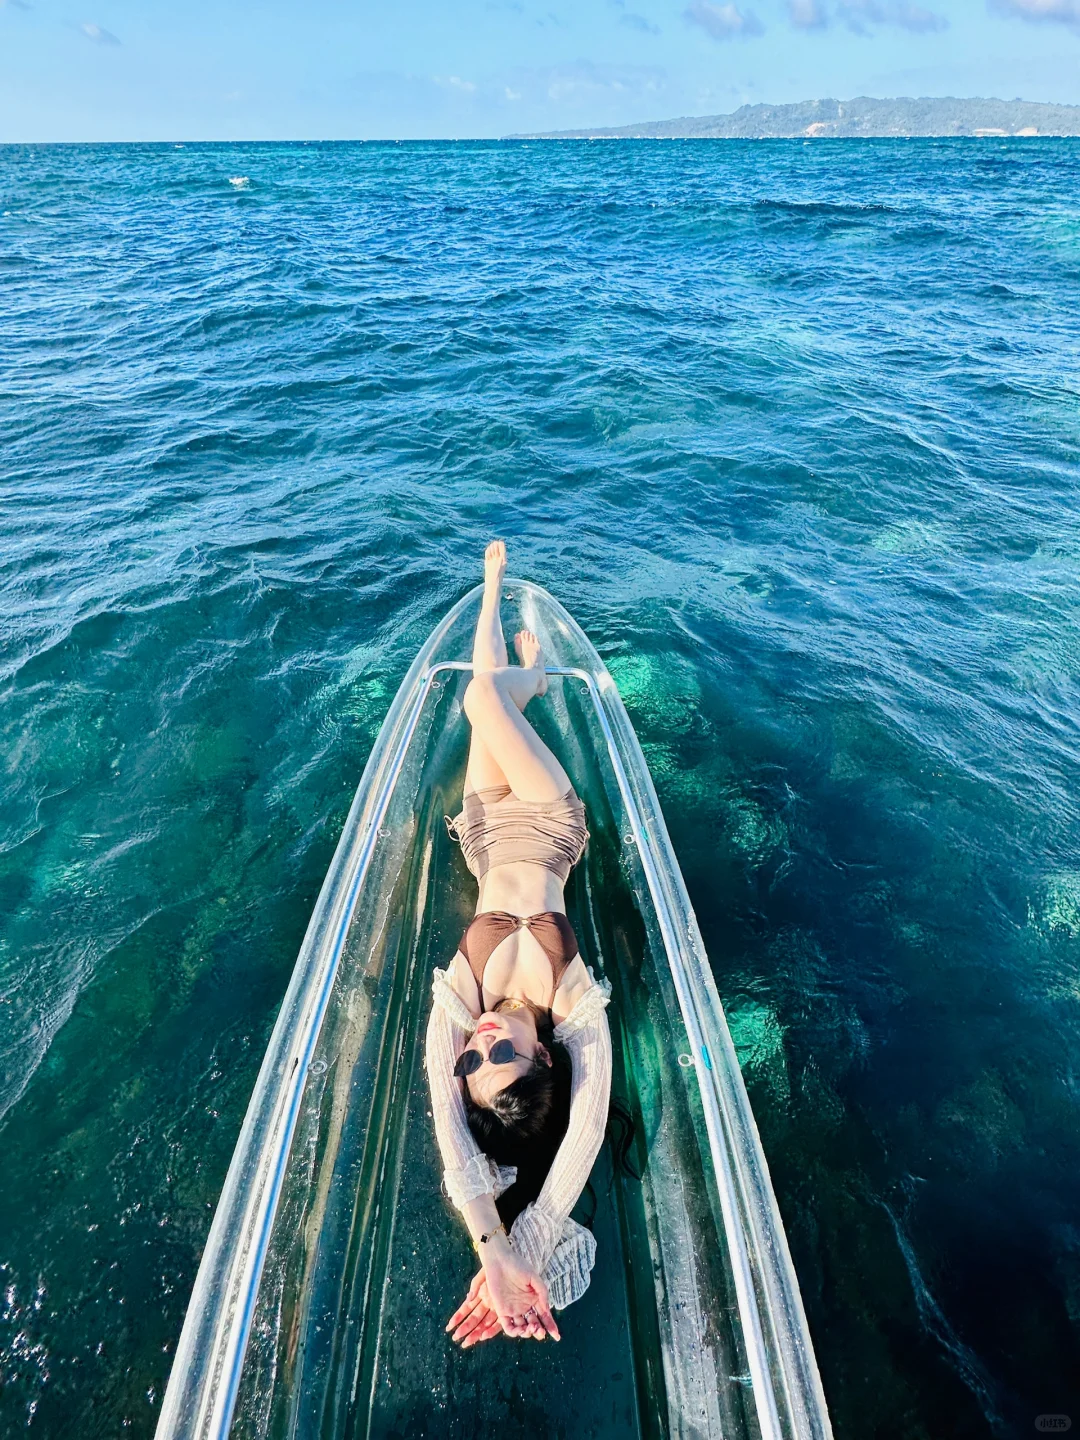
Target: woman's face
(518, 1026)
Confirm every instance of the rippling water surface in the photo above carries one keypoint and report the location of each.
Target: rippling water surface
(795, 432)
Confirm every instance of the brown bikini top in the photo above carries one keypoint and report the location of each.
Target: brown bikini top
(551, 929)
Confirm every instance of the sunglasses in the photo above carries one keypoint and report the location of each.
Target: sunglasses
(501, 1053)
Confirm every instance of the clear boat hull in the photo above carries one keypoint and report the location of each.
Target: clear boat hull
(334, 1261)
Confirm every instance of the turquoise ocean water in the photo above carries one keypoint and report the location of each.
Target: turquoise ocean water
(794, 430)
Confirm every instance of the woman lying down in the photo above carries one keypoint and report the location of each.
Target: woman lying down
(518, 1048)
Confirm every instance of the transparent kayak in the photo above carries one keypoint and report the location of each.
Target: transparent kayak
(333, 1261)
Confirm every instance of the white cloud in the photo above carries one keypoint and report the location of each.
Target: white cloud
(859, 15)
(1061, 12)
(588, 83)
(723, 22)
(633, 20)
(98, 34)
(807, 15)
(543, 97)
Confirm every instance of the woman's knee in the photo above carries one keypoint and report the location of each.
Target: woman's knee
(481, 693)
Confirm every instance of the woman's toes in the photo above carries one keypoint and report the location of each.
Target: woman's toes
(531, 655)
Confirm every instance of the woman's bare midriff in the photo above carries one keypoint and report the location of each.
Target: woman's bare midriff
(521, 888)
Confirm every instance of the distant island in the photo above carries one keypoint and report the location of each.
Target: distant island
(861, 119)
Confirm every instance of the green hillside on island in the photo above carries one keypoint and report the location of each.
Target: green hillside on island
(862, 118)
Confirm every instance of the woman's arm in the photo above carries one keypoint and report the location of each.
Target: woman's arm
(540, 1226)
(590, 1095)
(467, 1172)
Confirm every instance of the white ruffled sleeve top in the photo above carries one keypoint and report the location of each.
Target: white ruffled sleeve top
(560, 1250)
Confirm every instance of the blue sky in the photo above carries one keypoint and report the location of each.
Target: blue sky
(235, 69)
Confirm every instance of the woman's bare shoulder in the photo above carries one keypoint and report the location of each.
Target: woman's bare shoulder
(461, 979)
(574, 983)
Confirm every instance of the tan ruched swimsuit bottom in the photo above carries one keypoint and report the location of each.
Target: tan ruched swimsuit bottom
(496, 828)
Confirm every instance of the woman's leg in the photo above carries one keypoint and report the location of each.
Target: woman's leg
(494, 701)
(489, 647)
(489, 653)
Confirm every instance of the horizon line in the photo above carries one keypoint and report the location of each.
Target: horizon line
(611, 132)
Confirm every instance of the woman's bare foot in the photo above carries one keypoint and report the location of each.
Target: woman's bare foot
(531, 655)
(489, 647)
(494, 568)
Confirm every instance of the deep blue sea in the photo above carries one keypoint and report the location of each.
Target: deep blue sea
(794, 430)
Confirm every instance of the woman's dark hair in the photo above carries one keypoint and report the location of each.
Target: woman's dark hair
(524, 1124)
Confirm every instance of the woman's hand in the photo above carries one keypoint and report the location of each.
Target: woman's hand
(478, 1318)
(475, 1319)
(517, 1294)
